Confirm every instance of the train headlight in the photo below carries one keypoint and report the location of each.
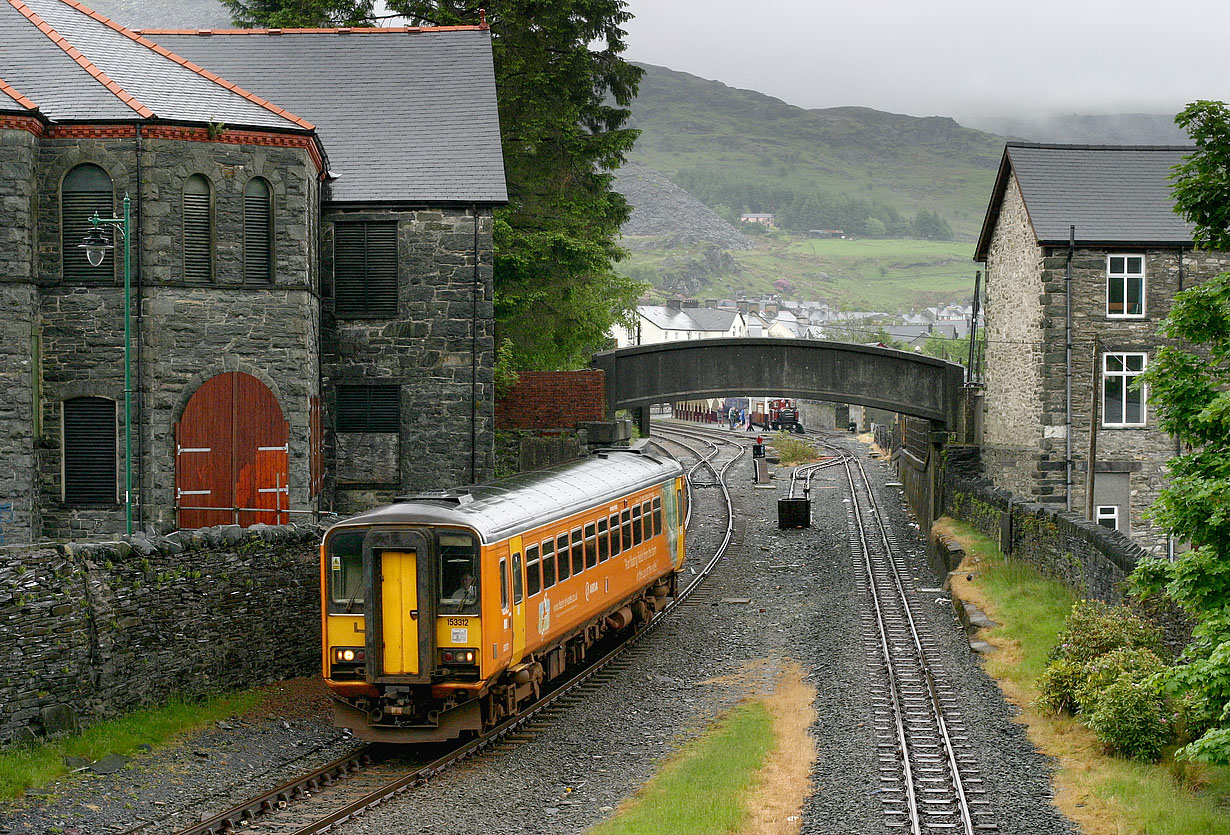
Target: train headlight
(349, 655)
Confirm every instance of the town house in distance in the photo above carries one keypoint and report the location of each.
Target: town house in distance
(311, 295)
(1102, 215)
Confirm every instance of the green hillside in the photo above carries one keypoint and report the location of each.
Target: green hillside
(889, 275)
(746, 151)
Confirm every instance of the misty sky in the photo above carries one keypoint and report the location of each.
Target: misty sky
(957, 58)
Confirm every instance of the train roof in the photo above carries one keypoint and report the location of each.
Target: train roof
(513, 505)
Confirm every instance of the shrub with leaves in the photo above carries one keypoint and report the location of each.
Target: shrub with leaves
(1131, 720)
(1135, 664)
(1058, 685)
(1094, 628)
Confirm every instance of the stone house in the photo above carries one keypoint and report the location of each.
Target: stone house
(311, 265)
(1102, 215)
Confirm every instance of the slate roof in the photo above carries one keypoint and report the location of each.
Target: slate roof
(76, 65)
(405, 114)
(1114, 195)
(12, 101)
(688, 319)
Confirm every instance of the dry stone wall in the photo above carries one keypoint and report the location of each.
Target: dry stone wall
(88, 631)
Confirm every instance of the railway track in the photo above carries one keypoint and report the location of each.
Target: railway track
(327, 797)
(929, 778)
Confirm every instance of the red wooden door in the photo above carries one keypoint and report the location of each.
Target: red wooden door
(231, 455)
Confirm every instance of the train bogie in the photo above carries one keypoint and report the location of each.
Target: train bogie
(446, 613)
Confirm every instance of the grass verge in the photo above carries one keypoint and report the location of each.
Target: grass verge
(1104, 795)
(748, 774)
(24, 767)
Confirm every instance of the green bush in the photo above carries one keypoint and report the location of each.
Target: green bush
(1058, 685)
(1130, 720)
(1094, 628)
(1132, 663)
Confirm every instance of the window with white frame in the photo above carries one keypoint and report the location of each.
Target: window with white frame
(1125, 285)
(1107, 515)
(1122, 404)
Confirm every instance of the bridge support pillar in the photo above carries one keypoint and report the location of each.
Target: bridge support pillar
(642, 420)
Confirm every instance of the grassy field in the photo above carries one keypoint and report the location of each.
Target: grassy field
(1105, 795)
(884, 275)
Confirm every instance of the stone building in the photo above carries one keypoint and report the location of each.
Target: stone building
(311, 263)
(1102, 215)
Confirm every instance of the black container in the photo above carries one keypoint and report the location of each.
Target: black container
(794, 513)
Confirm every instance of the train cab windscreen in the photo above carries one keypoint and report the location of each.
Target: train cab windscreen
(458, 574)
(345, 555)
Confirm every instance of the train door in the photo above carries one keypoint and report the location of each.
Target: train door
(400, 563)
(518, 600)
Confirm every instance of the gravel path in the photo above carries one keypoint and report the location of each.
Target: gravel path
(803, 607)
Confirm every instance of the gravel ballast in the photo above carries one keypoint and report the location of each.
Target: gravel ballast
(804, 607)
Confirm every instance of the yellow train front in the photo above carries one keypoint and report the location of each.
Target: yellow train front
(446, 612)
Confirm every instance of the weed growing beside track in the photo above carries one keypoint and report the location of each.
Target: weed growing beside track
(1104, 795)
(750, 773)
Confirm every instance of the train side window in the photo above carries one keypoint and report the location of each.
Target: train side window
(561, 554)
(591, 546)
(647, 520)
(518, 586)
(681, 503)
(503, 584)
(657, 517)
(548, 564)
(615, 545)
(604, 541)
(636, 526)
(626, 536)
(578, 555)
(533, 568)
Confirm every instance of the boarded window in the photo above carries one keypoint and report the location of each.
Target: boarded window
(368, 408)
(198, 221)
(365, 269)
(89, 451)
(86, 191)
(257, 232)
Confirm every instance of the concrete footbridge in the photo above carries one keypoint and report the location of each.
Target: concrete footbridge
(840, 372)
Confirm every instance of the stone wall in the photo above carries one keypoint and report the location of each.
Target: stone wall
(1089, 558)
(1014, 352)
(90, 631)
(439, 350)
(18, 304)
(183, 334)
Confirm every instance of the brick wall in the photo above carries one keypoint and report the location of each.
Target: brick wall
(105, 627)
(548, 401)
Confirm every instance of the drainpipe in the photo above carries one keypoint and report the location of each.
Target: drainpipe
(474, 357)
(1067, 379)
(1178, 444)
(140, 419)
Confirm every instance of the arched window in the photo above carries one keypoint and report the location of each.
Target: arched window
(198, 231)
(86, 189)
(257, 232)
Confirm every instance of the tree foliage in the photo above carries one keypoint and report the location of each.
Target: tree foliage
(564, 90)
(291, 14)
(1189, 385)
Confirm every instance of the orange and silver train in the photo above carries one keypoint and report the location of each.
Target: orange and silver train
(444, 613)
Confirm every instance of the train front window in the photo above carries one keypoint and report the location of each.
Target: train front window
(458, 574)
(345, 584)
